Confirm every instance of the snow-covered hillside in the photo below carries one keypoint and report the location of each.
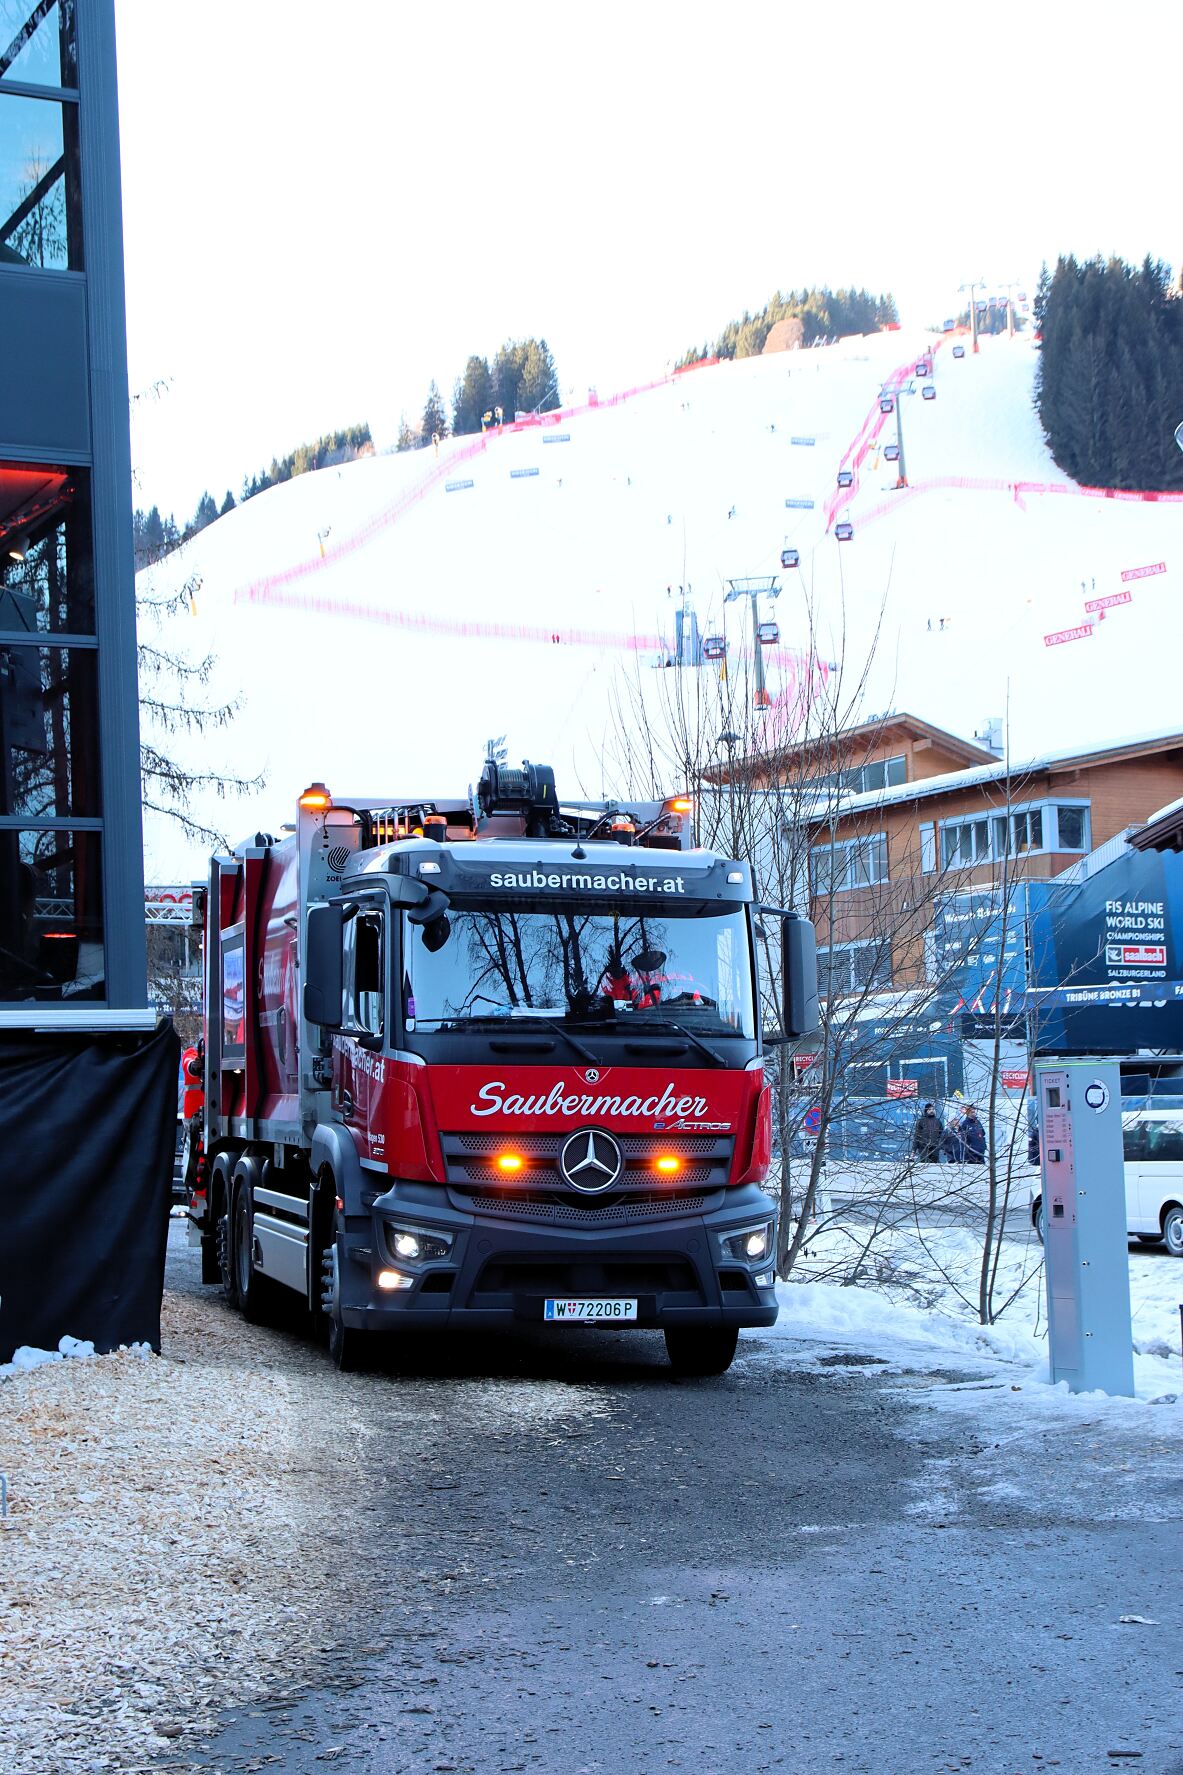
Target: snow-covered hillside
(378, 622)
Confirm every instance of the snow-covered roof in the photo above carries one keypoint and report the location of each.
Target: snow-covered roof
(1016, 770)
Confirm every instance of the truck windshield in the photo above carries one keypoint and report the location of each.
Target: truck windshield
(605, 966)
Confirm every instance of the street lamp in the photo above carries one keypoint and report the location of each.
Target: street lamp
(765, 586)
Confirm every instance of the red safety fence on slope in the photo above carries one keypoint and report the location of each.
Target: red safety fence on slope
(1017, 490)
(857, 450)
(442, 468)
(803, 674)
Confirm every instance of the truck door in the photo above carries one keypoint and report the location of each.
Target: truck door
(364, 1010)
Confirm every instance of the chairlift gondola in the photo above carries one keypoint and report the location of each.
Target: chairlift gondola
(891, 453)
(886, 404)
(929, 391)
(714, 647)
(922, 367)
(768, 634)
(959, 351)
(845, 477)
(844, 530)
(790, 557)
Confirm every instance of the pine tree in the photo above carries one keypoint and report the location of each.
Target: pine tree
(227, 504)
(1110, 384)
(206, 513)
(435, 421)
(525, 378)
(472, 398)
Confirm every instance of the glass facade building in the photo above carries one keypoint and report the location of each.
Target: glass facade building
(71, 870)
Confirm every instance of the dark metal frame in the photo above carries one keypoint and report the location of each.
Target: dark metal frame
(109, 461)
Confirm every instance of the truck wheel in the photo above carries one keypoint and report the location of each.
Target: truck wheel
(701, 1349)
(251, 1288)
(223, 1240)
(346, 1345)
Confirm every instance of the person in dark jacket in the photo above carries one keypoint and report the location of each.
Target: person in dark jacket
(973, 1137)
(952, 1145)
(926, 1136)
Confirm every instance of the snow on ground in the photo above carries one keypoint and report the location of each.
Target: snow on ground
(378, 622)
(916, 1308)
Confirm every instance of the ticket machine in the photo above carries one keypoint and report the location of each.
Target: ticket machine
(1085, 1241)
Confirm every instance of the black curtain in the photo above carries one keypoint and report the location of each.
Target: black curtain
(87, 1140)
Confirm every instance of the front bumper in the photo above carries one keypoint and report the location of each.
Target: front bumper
(501, 1268)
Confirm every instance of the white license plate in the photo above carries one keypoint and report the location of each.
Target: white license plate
(608, 1311)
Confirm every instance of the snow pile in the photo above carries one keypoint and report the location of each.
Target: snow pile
(27, 1356)
(378, 622)
(915, 1306)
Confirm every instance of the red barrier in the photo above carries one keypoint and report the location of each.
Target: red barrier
(804, 674)
(261, 590)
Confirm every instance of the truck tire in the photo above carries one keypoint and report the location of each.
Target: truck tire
(224, 1236)
(253, 1293)
(699, 1350)
(347, 1347)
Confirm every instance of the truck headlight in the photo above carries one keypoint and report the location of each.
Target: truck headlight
(751, 1244)
(413, 1244)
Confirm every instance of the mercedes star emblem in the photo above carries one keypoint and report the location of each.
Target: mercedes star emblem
(591, 1161)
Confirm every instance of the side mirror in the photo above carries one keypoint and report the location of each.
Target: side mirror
(322, 966)
(799, 1006)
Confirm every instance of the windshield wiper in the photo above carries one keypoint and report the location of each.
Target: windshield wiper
(511, 1026)
(549, 1023)
(644, 1022)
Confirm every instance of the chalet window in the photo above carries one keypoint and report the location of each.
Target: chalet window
(1072, 826)
(1043, 826)
(879, 773)
(849, 863)
(849, 967)
(928, 848)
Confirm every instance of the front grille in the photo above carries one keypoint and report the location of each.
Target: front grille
(469, 1166)
(613, 1276)
(568, 1213)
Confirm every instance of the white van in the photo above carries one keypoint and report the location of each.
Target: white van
(1153, 1142)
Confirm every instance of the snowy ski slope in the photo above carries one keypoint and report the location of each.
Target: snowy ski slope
(378, 622)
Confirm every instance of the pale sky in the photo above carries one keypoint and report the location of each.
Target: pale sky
(327, 206)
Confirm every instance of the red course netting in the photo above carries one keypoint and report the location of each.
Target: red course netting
(859, 447)
(443, 468)
(804, 675)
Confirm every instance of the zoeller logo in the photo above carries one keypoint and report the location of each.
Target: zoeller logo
(591, 1161)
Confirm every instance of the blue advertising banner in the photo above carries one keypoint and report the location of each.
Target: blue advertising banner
(1107, 958)
(979, 948)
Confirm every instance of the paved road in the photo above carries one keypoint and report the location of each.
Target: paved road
(805, 1566)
